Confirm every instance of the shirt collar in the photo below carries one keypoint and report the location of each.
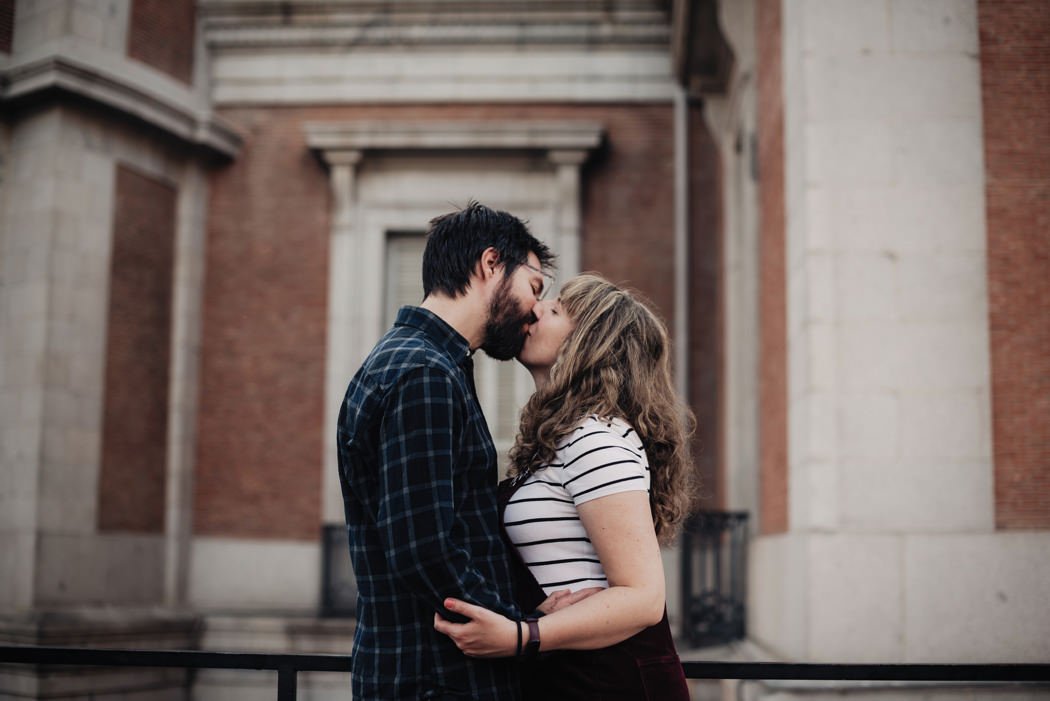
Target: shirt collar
(437, 330)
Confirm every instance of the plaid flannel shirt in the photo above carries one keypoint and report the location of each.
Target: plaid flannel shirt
(418, 473)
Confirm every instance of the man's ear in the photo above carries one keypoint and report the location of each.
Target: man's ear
(490, 263)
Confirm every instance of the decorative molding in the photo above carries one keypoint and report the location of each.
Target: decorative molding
(485, 74)
(568, 157)
(576, 136)
(167, 110)
(268, 52)
(546, 35)
(413, 23)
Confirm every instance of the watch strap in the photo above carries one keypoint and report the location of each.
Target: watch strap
(532, 647)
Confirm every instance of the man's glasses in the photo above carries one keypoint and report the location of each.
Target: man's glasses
(548, 280)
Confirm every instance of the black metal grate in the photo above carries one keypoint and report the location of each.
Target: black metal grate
(338, 585)
(714, 578)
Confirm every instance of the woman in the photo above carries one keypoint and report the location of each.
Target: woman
(599, 477)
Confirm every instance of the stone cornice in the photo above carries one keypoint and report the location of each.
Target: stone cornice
(171, 109)
(549, 136)
(267, 52)
(419, 23)
(476, 74)
(438, 35)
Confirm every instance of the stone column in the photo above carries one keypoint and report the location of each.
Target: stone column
(187, 294)
(346, 269)
(567, 164)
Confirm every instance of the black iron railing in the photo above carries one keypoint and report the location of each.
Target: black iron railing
(288, 666)
(713, 578)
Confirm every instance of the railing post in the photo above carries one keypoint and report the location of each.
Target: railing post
(286, 684)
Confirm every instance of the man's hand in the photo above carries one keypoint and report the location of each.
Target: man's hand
(564, 598)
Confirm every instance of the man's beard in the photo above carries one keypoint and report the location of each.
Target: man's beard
(505, 329)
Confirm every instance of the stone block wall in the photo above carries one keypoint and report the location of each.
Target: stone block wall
(889, 276)
(61, 542)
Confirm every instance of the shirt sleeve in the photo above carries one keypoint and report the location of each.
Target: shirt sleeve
(417, 517)
(599, 460)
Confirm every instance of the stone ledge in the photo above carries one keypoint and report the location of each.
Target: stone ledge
(169, 110)
(579, 24)
(102, 627)
(445, 74)
(466, 135)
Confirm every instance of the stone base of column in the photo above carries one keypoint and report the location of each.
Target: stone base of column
(110, 627)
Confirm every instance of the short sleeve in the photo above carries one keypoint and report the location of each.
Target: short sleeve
(601, 458)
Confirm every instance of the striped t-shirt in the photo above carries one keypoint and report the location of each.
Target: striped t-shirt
(600, 457)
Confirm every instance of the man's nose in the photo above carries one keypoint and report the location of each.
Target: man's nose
(538, 310)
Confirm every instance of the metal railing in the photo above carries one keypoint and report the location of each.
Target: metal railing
(288, 666)
(713, 576)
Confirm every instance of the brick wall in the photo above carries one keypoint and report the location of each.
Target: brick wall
(706, 324)
(772, 287)
(161, 33)
(138, 341)
(7, 25)
(1015, 90)
(262, 368)
(628, 198)
(263, 345)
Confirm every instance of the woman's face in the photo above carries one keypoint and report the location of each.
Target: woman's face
(546, 335)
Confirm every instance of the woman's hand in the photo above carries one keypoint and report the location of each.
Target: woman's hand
(489, 634)
(486, 634)
(563, 598)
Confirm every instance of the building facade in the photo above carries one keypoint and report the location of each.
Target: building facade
(209, 212)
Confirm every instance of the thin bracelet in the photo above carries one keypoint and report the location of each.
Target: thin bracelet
(517, 652)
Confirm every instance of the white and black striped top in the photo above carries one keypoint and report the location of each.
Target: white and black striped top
(600, 457)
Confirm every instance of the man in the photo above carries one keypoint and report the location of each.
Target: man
(418, 468)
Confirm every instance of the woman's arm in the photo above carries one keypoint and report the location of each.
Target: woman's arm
(620, 527)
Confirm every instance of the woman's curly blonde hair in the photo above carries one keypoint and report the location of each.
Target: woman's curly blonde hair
(615, 364)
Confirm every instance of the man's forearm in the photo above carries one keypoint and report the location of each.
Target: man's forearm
(435, 569)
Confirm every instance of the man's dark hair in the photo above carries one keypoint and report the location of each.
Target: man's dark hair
(456, 241)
